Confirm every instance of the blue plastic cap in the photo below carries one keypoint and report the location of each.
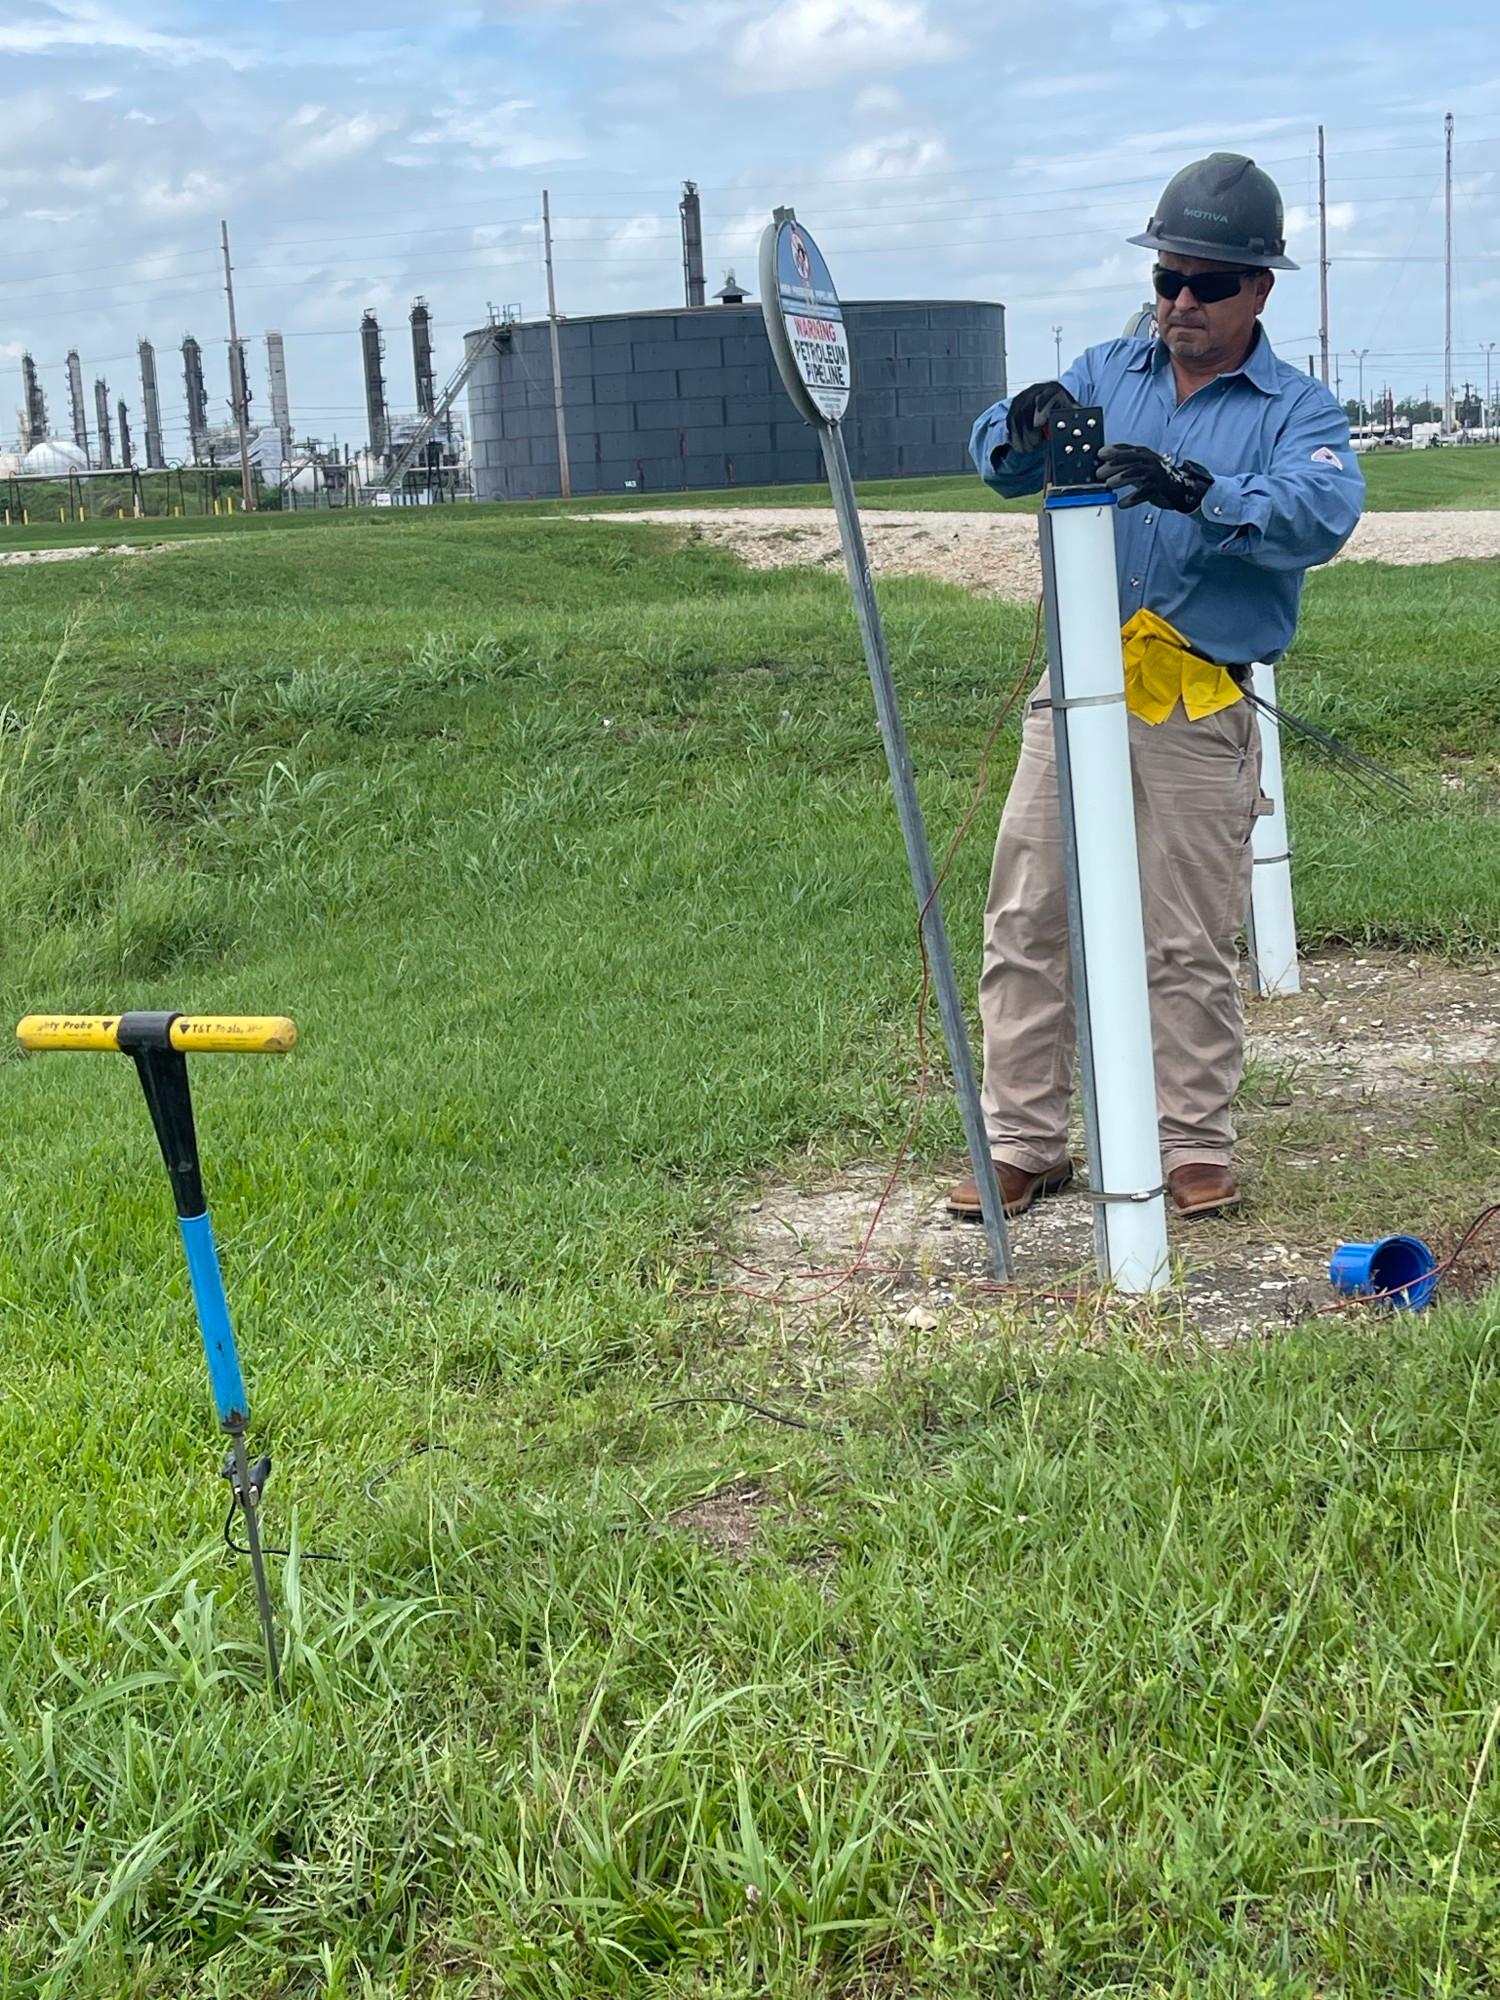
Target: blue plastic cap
(1400, 1271)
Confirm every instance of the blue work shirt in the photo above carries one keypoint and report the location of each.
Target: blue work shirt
(1286, 496)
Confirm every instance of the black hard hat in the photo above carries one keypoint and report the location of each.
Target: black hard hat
(1224, 207)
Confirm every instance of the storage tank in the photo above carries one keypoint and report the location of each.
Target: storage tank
(54, 458)
(665, 401)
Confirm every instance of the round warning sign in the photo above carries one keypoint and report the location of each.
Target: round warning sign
(805, 321)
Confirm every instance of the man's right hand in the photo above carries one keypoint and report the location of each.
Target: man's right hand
(1031, 413)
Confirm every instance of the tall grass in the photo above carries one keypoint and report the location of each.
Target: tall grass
(1049, 1673)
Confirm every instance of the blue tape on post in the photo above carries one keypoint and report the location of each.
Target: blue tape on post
(213, 1320)
(1057, 503)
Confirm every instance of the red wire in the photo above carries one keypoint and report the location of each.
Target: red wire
(1439, 1272)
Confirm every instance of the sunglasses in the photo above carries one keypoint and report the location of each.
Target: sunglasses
(1209, 288)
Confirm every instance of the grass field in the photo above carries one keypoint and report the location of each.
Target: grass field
(1396, 482)
(1054, 1672)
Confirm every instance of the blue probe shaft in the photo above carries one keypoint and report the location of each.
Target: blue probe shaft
(213, 1320)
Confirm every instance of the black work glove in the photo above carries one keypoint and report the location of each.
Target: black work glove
(1032, 411)
(1177, 488)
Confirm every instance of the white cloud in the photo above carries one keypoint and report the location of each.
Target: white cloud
(191, 193)
(809, 44)
(505, 133)
(895, 156)
(1301, 220)
(877, 100)
(1143, 20)
(1042, 89)
(84, 25)
(321, 138)
(678, 28)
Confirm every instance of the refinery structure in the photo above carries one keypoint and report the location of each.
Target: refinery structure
(104, 432)
(666, 397)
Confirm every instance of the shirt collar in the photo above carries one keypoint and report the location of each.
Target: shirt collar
(1258, 368)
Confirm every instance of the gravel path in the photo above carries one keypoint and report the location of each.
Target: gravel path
(996, 553)
(16, 557)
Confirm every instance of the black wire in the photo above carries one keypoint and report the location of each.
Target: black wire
(242, 1549)
(373, 1486)
(743, 1403)
(1372, 777)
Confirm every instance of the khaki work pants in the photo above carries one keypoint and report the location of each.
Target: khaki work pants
(1197, 790)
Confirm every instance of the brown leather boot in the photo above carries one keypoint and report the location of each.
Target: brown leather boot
(1202, 1189)
(1019, 1189)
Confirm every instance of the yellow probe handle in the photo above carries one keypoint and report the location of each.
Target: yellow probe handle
(244, 1034)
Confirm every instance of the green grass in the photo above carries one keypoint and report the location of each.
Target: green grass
(1053, 1674)
(1396, 482)
(1452, 476)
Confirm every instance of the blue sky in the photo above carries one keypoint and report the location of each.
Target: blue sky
(995, 149)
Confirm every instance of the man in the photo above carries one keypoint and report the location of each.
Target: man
(1236, 477)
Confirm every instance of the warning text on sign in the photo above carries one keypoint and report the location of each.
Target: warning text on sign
(822, 351)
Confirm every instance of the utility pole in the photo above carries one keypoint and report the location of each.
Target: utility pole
(247, 489)
(564, 476)
(1323, 252)
(1359, 355)
(1057, 344)
(1489, 348)
(1448, 280)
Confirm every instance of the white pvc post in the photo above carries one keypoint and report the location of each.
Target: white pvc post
(1273, 917)
(1097, 805)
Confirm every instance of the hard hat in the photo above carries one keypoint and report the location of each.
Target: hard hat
(1224, 207)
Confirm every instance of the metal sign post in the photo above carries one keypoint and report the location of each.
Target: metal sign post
(811, 343)
(1097, 810)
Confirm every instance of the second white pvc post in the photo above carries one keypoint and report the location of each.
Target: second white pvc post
(1273, 917)
(1096, 800)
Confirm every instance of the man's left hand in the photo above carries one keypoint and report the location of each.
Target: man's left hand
(1177, 488)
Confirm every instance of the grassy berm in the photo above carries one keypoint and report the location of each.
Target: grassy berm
(1124, 1668)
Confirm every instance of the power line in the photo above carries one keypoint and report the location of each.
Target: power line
(424, 230)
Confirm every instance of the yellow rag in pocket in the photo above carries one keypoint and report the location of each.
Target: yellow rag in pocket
(1162, 669)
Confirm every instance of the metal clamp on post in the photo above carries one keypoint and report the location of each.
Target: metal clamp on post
(1089, 701)
(1144, 1195)
(157, 1044)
